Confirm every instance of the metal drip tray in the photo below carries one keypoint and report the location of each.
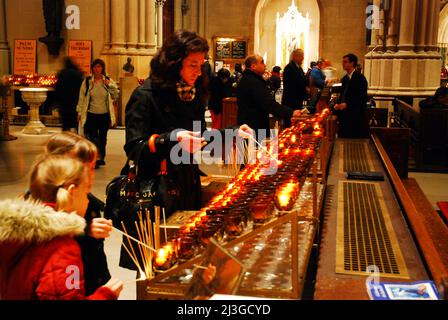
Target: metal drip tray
(365, 233)
(355, 158)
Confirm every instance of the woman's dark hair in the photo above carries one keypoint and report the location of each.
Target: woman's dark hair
(167, 63)
(224, 74)
(100, 63)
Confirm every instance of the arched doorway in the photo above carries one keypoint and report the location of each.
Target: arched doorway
(275, 36)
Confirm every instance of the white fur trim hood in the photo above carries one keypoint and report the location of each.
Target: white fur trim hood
(30, 221)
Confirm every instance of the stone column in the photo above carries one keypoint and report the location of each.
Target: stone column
(193, 16)
(118, 26)
(132, 25)
(394, 22)
(142, 24)
(159, 6)
(151, 24)
(375, 32)
(435, 18)
(178, 16)
(4, 47)
(202, 16)
(423, 25)
(407, 25)
(107, 26)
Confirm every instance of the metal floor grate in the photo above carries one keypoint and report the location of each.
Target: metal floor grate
(356, 157)
(365, 233)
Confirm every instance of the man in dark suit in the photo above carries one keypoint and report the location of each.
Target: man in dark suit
(294, 82)
(255, 101)
(351, 110)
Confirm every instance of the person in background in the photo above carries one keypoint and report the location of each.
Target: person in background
(96, 107)
(352, 106)
(294, 81)
(207, 76)
(308, 72)
(220, 88)
(96, 271)
(439, 101)
(255, 101)
(275, 80)
(39, 257)
(238, 74)
(236, 78)
(317, 82)
(67, 94)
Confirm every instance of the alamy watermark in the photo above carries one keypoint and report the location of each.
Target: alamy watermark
(373, 17)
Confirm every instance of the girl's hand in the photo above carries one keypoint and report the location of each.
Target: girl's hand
(100, 228)
(116, 286)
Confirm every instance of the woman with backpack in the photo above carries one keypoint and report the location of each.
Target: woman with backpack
(96, 109)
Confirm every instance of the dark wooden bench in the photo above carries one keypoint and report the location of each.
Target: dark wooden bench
(443, 206)
(429, 229)
(429, 135)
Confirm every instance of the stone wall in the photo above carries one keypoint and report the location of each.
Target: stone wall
(24, 20)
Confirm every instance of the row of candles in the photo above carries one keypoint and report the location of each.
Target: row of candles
(33, 80)
(251, 196)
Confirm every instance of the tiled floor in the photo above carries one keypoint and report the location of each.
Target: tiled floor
(18, 156)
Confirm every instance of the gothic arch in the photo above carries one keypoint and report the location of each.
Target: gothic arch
(443, 26)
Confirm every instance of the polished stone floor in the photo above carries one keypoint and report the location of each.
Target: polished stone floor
(16, 158)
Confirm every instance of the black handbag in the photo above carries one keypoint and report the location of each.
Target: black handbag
(128, 195)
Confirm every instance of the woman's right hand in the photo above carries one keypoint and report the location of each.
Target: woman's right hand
(114, 285)
(190, 142)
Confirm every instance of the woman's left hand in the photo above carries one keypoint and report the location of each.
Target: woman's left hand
(245, 131)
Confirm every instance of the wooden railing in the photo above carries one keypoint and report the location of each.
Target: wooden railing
(429, 230)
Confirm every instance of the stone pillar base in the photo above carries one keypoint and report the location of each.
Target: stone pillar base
(403, 73)
(35, 127)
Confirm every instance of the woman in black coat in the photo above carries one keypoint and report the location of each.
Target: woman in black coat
(168, 112)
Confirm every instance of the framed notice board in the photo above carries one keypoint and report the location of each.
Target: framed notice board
(239, 49)
(223, 49)
(81, 52)
(25, 57)
(230, 49)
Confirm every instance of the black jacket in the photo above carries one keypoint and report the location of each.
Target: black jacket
(67, 90)
(96, 272)
(218, 92)
(352, 121)
(255, 103)
(294, 86)
(159, 111)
